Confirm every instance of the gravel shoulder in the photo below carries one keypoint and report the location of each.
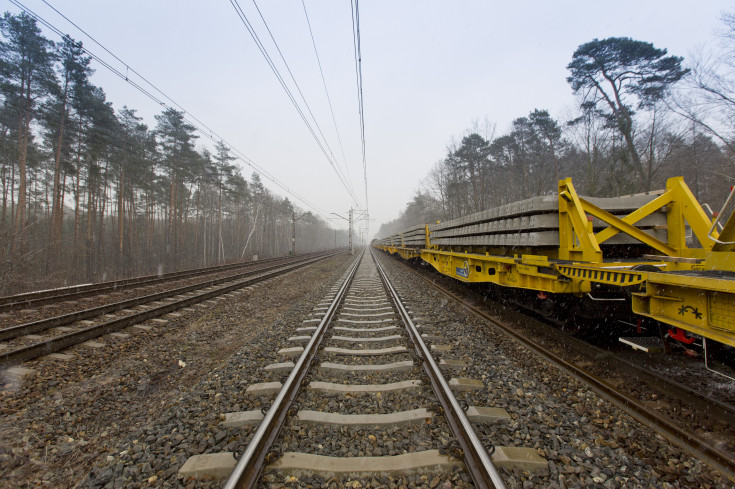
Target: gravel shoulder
(587, 441)
(77, 417)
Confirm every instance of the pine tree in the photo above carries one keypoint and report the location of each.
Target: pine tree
(26, 68)
(75, 72)
(613, 73)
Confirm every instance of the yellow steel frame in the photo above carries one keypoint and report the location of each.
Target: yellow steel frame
(576, 238)
(578, 242)
(404, 252)
(699, 304)
(534, 272)
(525, 272)
(696, 303)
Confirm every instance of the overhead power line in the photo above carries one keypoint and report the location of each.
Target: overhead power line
(358, 74)
(188, 117)
(303, 98)
(329, 100)
(261, 47)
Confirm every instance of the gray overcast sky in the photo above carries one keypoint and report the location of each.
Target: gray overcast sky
(430, 69)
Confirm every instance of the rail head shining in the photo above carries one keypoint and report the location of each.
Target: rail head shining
(483, 471)
(248, 468)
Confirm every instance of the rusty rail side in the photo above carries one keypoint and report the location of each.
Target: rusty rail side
(484, 474)
(247, 471)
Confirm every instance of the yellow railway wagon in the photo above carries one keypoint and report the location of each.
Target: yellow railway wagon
(676, 261)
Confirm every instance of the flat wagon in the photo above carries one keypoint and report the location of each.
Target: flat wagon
(661, 254)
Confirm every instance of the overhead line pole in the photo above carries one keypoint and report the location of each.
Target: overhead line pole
(293, 230)
(351, 249)
(350, 221)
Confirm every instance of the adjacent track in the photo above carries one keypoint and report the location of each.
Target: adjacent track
(33, 299)
(624, 399)
(178, 298)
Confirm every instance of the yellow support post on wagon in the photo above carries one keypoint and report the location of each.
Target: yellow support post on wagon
(576, 238)
(695, 294)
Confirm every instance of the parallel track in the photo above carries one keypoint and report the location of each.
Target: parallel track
(190, 296)
(38, 298)
(672, 430)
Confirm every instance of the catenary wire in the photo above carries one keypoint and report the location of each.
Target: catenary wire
(329, 100)
(249, 27)
(301, 94)
(358, 74)
(127, 67)
(208, 133)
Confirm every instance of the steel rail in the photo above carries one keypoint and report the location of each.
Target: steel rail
(64, 293)
(248, 468)
(483, 471)
(721, 410)
(688, 440)
(28, 299)
(64, 341)
(715, 408)
(72, 317)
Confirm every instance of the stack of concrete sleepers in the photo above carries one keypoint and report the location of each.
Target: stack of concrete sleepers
(535, 223)
(392, 241)
(413, 237)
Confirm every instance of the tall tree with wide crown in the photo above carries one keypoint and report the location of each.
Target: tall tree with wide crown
(614, 73)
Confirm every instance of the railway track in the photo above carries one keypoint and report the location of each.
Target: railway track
(29, 306)
(74, 292)
(364, 354)
(23, 342)
(626, 384)
(569, 435)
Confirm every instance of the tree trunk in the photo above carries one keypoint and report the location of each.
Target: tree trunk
(120, 218)
(100, 254)
(252, 230)
(624, 122)
(4, 179)
(91, 211)
(24, 123)
(54, 236)
(220, 248)
(128, 259)
(170, 239)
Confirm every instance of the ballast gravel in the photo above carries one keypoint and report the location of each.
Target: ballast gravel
(586, 440)
(129, 414)
(156, 424)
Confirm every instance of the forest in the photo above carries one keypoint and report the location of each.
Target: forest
(642, 116)
(91, 193)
